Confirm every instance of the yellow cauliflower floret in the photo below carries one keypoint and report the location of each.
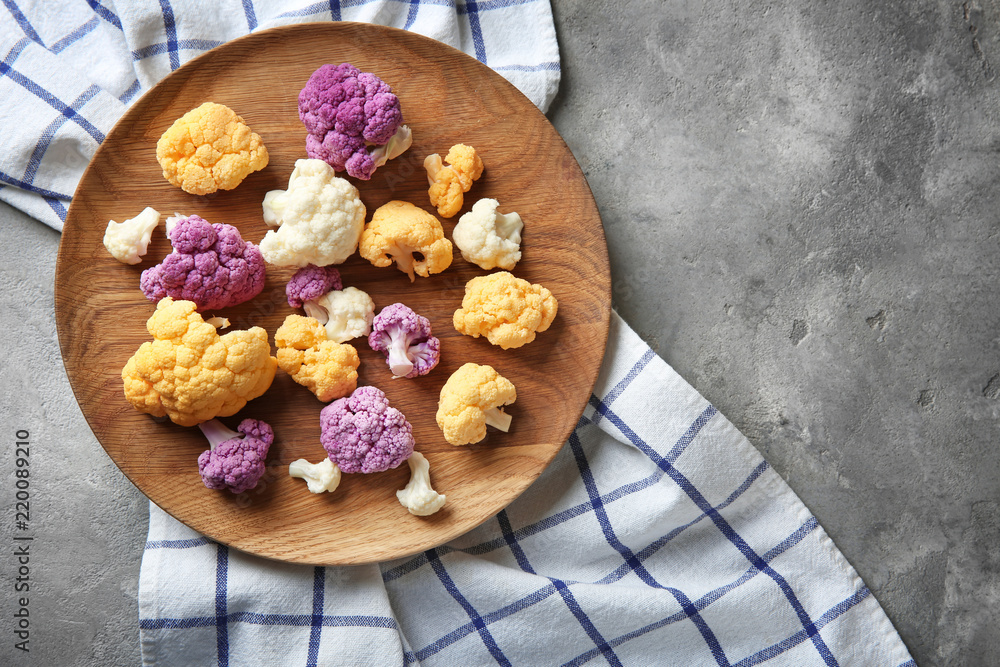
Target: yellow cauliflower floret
(507, 310)
(449, 184)
(471, 399)
(399, 229)
(209, 148)
(325, 367)
(192, 374)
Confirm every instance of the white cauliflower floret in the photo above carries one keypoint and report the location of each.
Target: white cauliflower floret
(346, 313)
(418, 496)
(320, 477)
(319, 217)
(127, 241)
(487, 238)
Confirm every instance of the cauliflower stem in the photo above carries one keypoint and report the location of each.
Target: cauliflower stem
(418, 497)
(216, 432)
(398, 144)
(497, 418)
(399, 363)
(403, 256)
(319, 477)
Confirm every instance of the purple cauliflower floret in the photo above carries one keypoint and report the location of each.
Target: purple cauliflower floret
(348, 113)
(310, 283)
(361, 433)
(405, 339)
(211, 265)
(235, 460)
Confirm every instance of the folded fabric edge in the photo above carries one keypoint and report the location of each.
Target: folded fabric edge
(778, 488)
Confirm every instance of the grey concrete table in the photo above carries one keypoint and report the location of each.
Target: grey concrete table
(802, 209)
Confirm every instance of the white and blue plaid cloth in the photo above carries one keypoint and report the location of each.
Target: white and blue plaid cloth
(657, 536)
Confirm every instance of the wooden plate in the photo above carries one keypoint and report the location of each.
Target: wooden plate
(447, 98)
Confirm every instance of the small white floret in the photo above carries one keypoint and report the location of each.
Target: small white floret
(319, 218)
(127, 241)
(418, 497)
(320, 477)
(346, 313)
(487, 238)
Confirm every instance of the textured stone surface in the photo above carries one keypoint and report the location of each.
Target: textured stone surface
(801, 207)
(87, 520)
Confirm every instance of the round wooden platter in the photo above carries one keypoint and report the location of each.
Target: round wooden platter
(447, 98)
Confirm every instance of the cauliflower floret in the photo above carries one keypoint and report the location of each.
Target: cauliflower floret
(406, 341)
(346, 313)
(235, 461)
(319, 217)
(209, 148)
(471, 399)
(507, 310)
(310, 283)
(487, 238)
(397, 230)
(127, 241)
(418, 497)
(320, 477)
(328, 369)
(363, 433)
(449, 184)
(211, 265)
(353, 120)
(190, 373)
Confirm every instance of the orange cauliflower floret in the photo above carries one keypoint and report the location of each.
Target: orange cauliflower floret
(449, 184)
(192, 374)
(209, 148)
(507, 310)
(471, 399)
(399, 229)
(325, 367)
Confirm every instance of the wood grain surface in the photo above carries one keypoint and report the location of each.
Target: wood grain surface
(447, 98)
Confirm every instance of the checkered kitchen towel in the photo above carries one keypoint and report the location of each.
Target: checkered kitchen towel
(657, 536)
(69, 69)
